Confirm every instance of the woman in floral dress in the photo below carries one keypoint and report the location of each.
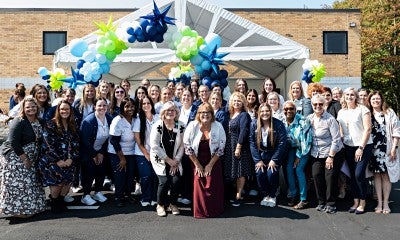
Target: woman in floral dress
(21, 194)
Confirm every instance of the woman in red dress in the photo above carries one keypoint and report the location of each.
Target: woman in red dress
(204, 142)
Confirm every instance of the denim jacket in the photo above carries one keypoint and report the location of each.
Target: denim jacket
(299, 135)
(267, 153)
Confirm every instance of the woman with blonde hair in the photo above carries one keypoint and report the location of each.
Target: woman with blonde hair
(237, 154)
(103, 90)
(355, 125)
(296, 94)
(85, 105)
(268, 144)
(274, 101)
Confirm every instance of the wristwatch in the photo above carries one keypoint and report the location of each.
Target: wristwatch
(331, 156)
(361, 147)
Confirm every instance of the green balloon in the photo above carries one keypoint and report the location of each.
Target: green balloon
(110, 55)
(186, 31)
(200, 41)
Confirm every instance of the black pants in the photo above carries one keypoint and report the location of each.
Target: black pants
(186, 190)
(325, 180)
(90, 171)
(166, 183)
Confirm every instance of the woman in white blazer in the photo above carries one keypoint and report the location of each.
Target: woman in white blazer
(166, 151)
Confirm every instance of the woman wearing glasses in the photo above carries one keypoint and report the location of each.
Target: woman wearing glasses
(116, 99)
(327, 154)
(204, 142)
(299, 143)
(166, 151)
(355, 124)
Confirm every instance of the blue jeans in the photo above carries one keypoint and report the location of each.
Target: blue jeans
(123, 180)
(301, 177)
(358, 182)
(148, 179)
(268, 181)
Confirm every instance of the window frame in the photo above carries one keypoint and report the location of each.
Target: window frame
(44, 41)
(346, 35)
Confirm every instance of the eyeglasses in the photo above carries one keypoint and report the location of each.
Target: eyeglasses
(119, 92)
(170, 110)
(288, 109)
(204, 112)
(318, 104)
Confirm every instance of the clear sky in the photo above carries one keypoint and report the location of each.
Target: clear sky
(140, 3)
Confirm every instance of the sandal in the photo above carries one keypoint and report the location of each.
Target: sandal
(301, 205)
(378, 210)
(386, 210)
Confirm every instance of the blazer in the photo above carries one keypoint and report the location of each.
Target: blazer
(157, 150)
(192, 137)
(89, 128)
(267, 153)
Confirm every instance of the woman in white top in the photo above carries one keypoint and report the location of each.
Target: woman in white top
(85, 105)
(142, 128)
(355, 125)
(121, 151)
(274, 101)
(268, 87)
(385, 133)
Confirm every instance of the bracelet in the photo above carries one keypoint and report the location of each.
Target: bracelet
(361, 148)
(330, 156)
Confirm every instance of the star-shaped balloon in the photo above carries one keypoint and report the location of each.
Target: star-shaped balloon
(160, 17)
(214, 58)
(73, 81)
(104, 28)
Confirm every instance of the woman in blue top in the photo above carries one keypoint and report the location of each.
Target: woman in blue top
(268, 144)
(93, 147)
(299, 144)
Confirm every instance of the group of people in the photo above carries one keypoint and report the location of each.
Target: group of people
(191, 145)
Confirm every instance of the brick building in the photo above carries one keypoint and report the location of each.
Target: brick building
(22, 40)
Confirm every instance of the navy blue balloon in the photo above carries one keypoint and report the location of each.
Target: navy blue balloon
(144, 23)
(151, 29)
(80, 63)
(158, 38)
(46, 77)
(223, 73)
(206, 81)
(138, 31)
(95, 84)
(132, 39)
(224, 82)
(214, 75)
(215, 82)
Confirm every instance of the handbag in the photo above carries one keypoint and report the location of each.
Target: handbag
(393, 168)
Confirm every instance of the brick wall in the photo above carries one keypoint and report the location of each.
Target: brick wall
(21, 35)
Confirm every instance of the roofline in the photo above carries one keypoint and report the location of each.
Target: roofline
(134, 9)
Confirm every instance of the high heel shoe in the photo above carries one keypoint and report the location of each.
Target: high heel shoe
(359, 211)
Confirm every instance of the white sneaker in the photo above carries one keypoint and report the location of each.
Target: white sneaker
(99, 197)
(138, 189)
(264, 202)
(271, 202)
(88, 200)
(68, 199)
(76, 189)
(144, 204)
(253, 192)
(153, 203)
(184, 201)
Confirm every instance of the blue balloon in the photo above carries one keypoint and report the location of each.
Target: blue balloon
(224, 82)
(212, 40)
(215, 82)
(95, 83)
(144, 23)
(130, 30)
(105, 67)
(138, 31)
(196, 59)
(198, 69)
(214, 75)
(77, 47)
(131, 39)
(151, 29)
(43, 71)
(207, 81)
(80, 63)
(206, 65)
(158, 38)
(223, 73)
(46, 77)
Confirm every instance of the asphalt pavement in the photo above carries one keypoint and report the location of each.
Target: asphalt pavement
(249, 221)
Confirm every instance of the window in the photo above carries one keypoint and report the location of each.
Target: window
(335, 43)
(53, 41)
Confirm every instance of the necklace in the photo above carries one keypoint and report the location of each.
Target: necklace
(170, 133)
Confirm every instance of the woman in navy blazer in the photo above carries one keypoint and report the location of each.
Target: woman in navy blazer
(268, 139)
(94, 142)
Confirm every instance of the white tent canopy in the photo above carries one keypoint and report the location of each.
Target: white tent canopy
(251, 48)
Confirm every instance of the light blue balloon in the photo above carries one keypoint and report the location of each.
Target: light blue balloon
(88, 56)
(88, 77)
(205, 65)
(96, 77)
(77, 47)
(212, 40)
(196, 60)
(101, 58)
(198, 69)
(204, 48)
(105, 67)
(43, 71)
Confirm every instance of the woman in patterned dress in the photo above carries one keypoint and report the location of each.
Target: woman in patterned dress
(385, 133)
(60, 153)
(21, 194)
(237, 154)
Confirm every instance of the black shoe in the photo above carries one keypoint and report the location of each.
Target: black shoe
(330, 209)
(352, 210)
(291, 202)
(130, 199)
(237, 202)
(119, 202)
